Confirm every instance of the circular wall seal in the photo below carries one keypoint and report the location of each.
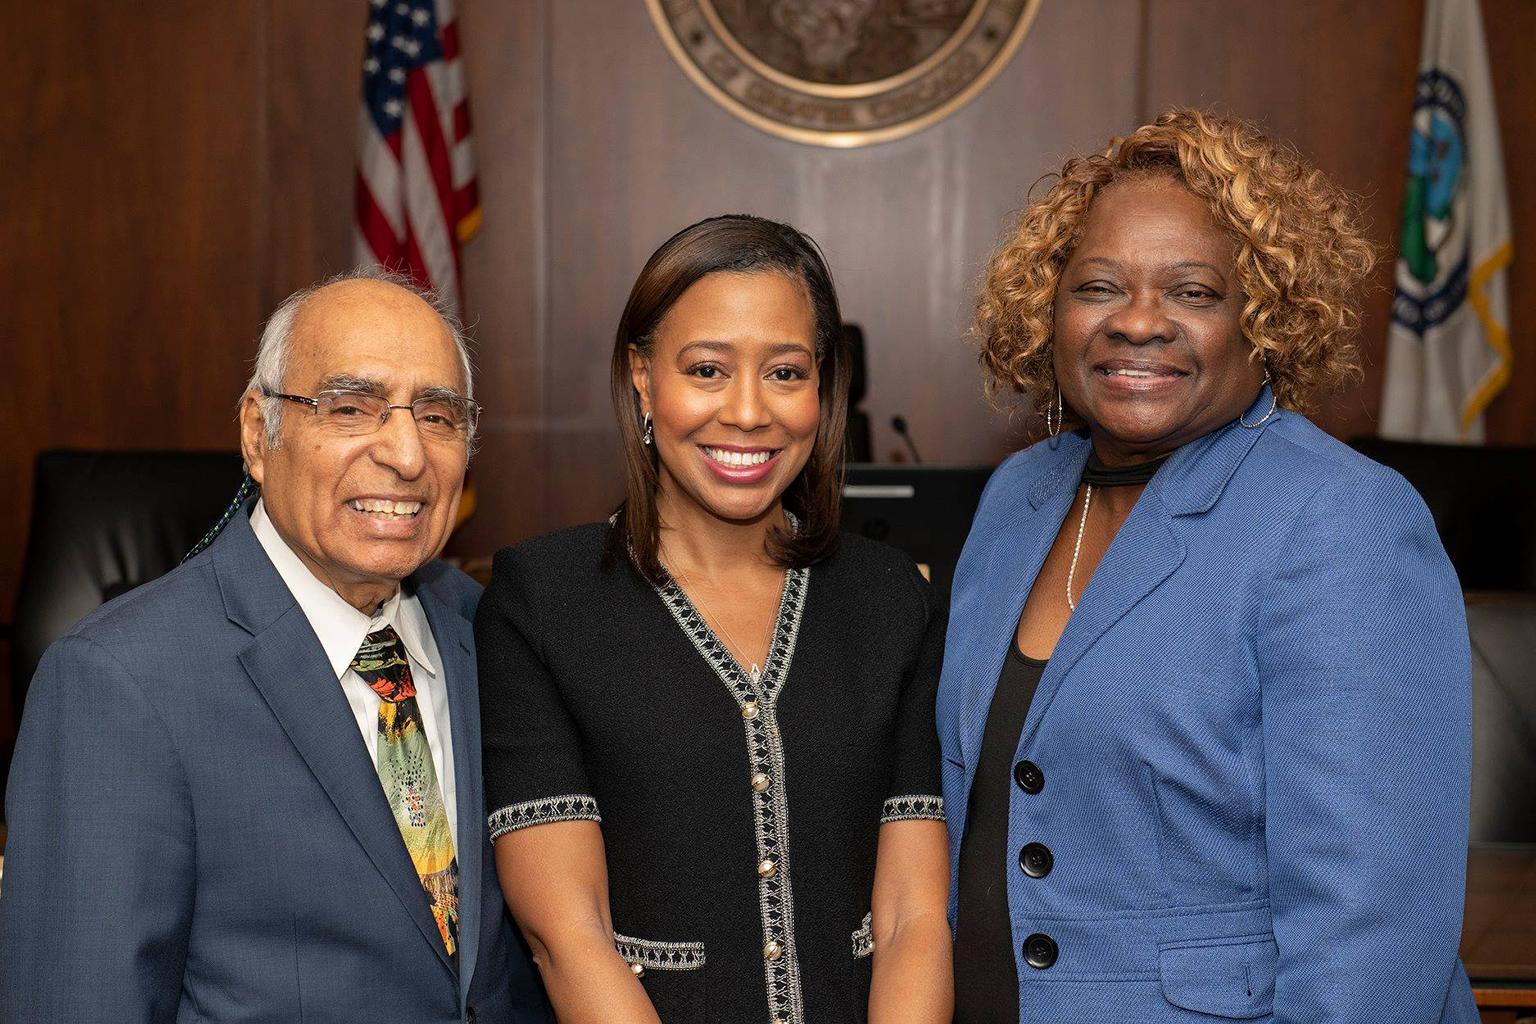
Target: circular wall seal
(842, 72)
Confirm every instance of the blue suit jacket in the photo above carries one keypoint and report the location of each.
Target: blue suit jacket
(1255, 736)
(197, 832)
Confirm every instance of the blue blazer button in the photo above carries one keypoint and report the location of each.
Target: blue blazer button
(1029, 776)
(1036, 860)
(1040, 951)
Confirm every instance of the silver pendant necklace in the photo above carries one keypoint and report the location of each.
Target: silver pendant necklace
(754, 672)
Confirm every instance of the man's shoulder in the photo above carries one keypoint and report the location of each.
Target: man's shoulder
(180, 602)
(163, 636)
(450, 585)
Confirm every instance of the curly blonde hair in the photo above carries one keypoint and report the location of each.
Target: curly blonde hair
(1301, 253)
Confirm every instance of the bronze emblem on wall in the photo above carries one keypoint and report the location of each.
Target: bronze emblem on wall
(842, 72)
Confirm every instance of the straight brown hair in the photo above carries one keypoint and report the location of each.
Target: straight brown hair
(734, 244)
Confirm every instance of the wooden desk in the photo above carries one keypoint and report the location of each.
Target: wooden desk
(1498, 935)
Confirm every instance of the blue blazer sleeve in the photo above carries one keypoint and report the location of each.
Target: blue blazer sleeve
(97, 896)
(1366, 719)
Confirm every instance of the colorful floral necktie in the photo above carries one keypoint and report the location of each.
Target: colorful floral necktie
(409, 777)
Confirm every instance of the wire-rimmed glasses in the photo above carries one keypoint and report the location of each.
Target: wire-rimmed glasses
(441, 417)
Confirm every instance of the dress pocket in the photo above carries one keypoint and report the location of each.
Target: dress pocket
(1226, 977)
(864, 939)
(862, 946)
(647, 955)
(672, 973)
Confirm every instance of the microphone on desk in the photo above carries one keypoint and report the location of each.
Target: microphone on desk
(899, 424)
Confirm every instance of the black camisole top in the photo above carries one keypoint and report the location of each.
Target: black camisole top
(986, 980)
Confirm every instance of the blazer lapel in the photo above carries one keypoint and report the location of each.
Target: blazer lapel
(1147, 549)
(1141, 556)
(455, 647)
(288, 666)
(1031, 522)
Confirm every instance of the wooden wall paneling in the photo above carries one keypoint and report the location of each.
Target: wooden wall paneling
(1338, 88)
(505, 268)
(1341, 89)
(637, 151)
(911, 224)
(313, 97)
(1511, 26)
(185, 166)
(131, 168)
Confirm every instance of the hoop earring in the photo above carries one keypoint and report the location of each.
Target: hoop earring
(1272, 402)
(1056, 429)
(649, 435)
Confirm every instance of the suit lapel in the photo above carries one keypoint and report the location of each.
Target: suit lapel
(452, 634)
(288, 666)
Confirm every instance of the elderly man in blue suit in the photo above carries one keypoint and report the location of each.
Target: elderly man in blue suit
(251, 790)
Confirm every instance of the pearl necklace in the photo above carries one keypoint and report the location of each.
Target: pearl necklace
(1077, 547)
(1098, 473)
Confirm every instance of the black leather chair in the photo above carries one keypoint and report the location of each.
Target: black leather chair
(1484, 503)
(103, 523)
(1503, 632)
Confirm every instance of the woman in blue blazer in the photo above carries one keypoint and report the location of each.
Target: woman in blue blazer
(1205, 705)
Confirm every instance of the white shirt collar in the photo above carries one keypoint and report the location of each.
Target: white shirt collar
(339, 626)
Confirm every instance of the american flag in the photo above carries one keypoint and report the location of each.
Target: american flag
(416, 194)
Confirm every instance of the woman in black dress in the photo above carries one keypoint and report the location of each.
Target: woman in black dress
(710, 752)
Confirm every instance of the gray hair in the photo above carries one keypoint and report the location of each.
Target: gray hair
(273, 349)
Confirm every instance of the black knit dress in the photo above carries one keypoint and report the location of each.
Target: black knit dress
(740, 820)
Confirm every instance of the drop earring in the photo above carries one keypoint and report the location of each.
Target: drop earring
(1272, 402)
(1054, 429)
(649, 435)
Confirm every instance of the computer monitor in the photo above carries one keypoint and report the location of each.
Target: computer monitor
(923, 510)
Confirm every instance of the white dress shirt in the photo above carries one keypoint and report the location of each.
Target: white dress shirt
(341, 629)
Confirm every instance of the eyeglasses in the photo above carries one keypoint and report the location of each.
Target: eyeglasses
(443, 418)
